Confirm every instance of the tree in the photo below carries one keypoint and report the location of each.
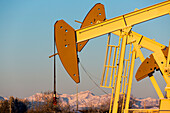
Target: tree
(4, 107)
(12, 106)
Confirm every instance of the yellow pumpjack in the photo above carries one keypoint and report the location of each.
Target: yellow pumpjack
(118, 71)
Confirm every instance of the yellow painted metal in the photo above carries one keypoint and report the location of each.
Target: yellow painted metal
(111, 101)
(167, 89)
(110, 68)
(138, 52)
(104, 68)
(130, 79)
(110, 53)
(120, 70)
(168, 59)
(161, 61)
(167, 70)
(117, 23)
(150, 44)
(66, 46)
(146, 111)
(95, 15)
(116, 67)
(165, 106)
(142, 41)
(152, 78)
(114, 56)
(126, 77)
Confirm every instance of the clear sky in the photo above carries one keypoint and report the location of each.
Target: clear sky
(26, 41)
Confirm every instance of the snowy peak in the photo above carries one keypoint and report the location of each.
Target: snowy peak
(147, 103)
(39, 97)
(3, 98)
(86, 94)
(85, 99)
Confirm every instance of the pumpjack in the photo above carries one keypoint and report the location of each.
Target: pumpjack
(118, 70)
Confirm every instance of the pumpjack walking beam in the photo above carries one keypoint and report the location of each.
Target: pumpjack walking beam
(129, 19)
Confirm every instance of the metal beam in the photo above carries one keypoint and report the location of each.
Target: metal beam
(143, 41)
(120, 22)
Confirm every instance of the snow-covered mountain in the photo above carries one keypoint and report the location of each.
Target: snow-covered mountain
(148, 103)
(87, 99)
(3, 98)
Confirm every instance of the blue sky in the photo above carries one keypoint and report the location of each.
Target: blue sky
(26, 41)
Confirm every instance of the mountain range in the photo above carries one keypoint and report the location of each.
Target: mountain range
(87, 99)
